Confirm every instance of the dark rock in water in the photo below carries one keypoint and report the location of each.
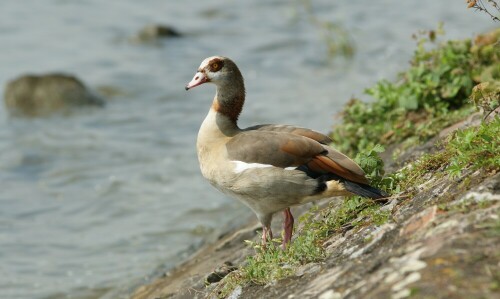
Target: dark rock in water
(154, 31)
(32, 95)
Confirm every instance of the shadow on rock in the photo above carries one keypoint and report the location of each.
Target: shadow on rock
(42, 95)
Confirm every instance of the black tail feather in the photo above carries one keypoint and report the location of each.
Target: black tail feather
(353, 187)
(364, 190)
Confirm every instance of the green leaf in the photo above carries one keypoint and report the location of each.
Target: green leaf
(378, 148)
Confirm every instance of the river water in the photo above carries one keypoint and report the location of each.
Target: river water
(92, 203)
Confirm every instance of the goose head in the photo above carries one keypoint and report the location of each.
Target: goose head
(219, 70)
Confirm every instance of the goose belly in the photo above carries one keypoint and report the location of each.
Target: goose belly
(265, 187)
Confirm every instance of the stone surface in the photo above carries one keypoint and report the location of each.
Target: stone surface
(41, 95)
(220, 272)
(419, 221)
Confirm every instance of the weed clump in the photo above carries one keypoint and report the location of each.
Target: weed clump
(474, 148)
(432, 94)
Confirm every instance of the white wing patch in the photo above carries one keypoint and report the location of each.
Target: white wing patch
(242, 166)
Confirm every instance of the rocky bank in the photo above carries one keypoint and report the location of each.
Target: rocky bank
(443, 242)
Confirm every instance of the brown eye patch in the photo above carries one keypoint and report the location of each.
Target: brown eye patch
(215, 65)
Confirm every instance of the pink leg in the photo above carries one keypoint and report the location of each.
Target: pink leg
(287, 227)
(266, 231)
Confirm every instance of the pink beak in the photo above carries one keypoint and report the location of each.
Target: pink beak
(199, 78)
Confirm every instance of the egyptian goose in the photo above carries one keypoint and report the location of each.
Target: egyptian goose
(268, 167)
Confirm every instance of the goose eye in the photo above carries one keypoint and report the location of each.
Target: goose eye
(216, 66)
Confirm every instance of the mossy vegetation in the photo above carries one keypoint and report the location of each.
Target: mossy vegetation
(472, 148)
(432, 94)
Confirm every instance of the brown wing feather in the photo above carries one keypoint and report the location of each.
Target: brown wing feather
(283, 149)
(321, 138)
(274, 148)
(326, 163)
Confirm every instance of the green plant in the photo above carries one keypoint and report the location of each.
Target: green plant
(432, 94)
(475, 148)
(486, 96)
(373, 165)
(472, 148)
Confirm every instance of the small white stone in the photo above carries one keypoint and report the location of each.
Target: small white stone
(350, 250)
(358, 253)
(307, 269)
(478, 197)
(444, 227)
(236, 293)
(392, 277)
(413, 277)
(401, 294)
(376, 235)
(413, 265)
(390, 206)
(330, 294)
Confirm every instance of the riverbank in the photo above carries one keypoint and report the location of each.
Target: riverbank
(440, 243)
(436, 238)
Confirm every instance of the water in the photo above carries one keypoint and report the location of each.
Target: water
(94, 202)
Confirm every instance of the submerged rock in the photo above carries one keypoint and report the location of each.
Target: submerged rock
(41, 95)
(153, 32)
